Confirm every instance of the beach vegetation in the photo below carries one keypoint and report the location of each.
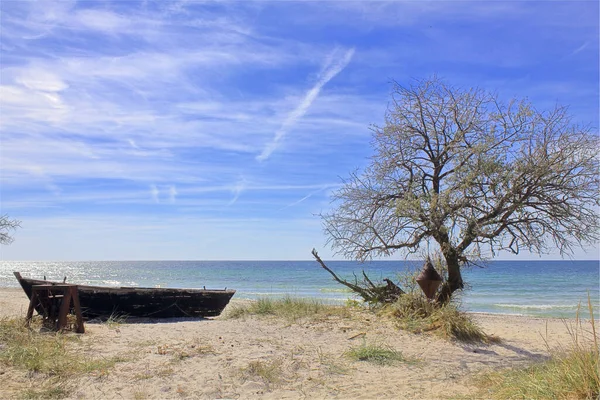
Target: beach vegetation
(331, 363)
(50, 355)
(415, 313)
(179, 352)
(376, 353)
(54, 389)
(267, 371)
(463, 172)
(288, 307)
(115, 320)
(572, 372)
(140, 395)
(164, 371)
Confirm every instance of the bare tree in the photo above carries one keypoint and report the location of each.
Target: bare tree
(472, 174)
(6, 226)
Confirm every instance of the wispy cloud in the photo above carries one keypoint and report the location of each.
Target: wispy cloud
(334, 65)
(308, 196)
(160, 110)
(580, 48)
(237, 190)
(168, 191)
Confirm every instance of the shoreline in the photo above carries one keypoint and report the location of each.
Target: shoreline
(18, 291)
(270, 358)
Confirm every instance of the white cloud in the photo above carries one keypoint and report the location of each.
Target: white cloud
(333, 65)
(580, 48)
(102, 20)
(237, 190)
(41, 80)
(126, 108)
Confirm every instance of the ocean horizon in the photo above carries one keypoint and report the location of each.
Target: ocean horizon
(538, 288)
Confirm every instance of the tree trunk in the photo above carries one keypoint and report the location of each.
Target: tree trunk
(454, 281)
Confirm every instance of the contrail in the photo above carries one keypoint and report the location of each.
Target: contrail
(331, 69)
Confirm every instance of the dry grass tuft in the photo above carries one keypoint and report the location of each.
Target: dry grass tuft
(414, 313)
(48, 354)
(571, 373)
(375, 353)
(269, 372)
(289, 308)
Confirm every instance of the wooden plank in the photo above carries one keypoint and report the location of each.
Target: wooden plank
(31, 308)
(65, 305)
(77, 308)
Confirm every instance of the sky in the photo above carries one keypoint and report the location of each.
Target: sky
(217, 130)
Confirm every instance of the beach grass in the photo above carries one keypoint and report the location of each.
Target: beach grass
(375, 353)
(115, 320)
(414, 313)
(47, 354)
(331, 363)
(54, 389)
(267, 371)
(288, 307)
(570, 373)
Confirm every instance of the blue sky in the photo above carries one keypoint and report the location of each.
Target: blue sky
(217, 130)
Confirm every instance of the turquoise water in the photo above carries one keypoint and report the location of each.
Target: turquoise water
(537, 288)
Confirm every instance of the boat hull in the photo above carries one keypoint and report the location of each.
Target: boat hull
(104, 302)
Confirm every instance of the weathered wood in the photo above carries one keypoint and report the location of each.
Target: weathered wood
(78, 314)
(65, 305)
(370, 292)
(104, 302)
(54, 302)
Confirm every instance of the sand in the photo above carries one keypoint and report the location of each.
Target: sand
(269, 358)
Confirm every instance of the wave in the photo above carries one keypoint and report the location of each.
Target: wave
(335, 290)
(537, 306)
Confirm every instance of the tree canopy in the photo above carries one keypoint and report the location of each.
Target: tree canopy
(472, 174)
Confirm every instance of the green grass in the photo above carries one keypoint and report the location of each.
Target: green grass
(414, 313)
(375, 353)
(571, 373)
(115, 320)
(567, 376)
(288, 307)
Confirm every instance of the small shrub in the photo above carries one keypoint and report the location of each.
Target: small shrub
(375, 353)
(417, 314)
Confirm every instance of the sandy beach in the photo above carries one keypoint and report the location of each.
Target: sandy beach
(258, 357)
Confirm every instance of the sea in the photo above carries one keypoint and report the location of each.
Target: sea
(534, 288)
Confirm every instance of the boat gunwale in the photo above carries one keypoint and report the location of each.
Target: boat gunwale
(85, 287)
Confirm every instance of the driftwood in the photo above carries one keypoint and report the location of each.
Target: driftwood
(370, 292)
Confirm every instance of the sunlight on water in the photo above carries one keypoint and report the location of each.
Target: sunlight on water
(538, 288)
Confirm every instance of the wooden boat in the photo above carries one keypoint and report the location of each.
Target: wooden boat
(103, 302)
